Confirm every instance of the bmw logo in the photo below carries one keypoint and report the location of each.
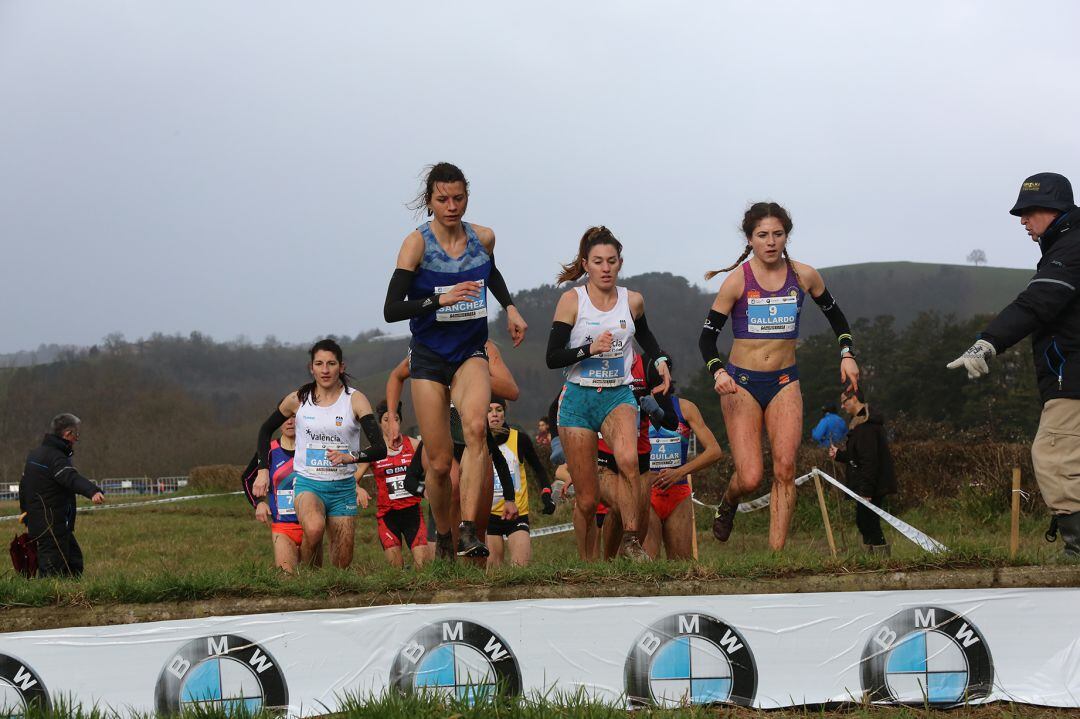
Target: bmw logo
(691, 659)
(20, 688)
(457, 659)
(221, 672)
(926, 655)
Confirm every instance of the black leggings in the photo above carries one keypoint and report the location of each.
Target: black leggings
(869, 524)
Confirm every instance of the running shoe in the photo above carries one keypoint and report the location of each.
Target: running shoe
(444, 546)
(724, 521)
(632, 549)
(469, 545)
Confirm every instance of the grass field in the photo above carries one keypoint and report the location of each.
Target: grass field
(213, 548)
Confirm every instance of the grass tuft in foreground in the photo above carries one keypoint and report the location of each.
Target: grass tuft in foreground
(392, 705)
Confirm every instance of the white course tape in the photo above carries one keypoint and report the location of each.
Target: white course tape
(98, 507)
(920, 538)
(760, 503)
(553, 529)
(923, 540)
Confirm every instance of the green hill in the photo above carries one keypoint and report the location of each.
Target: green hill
(677, 308)
(161, 405)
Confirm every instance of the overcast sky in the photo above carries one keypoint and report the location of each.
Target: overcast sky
(242, 167)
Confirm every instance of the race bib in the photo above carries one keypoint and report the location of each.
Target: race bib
(464, 310)
(316, 459)
(772, 315)
(665, 452)
(395, 487)
(285, 506)
(607, 369)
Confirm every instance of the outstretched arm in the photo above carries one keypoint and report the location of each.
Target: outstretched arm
(710, 455)
(815, 286)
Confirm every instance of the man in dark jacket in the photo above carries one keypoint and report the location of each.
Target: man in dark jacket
(870, 472)
(47, 495)
(1048, 310)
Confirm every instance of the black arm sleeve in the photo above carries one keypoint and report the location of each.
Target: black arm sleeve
(266, 432)
(528, 453)
(247, 479)
(710, 332)
(646, 338)
(397, 308)
(558, 354)
(377, 448)
(498, 287)
(502, 469)
(835, 316)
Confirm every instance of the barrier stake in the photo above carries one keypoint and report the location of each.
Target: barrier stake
(839, 505)
(693, 522)
(1014, 537)
(824, 513)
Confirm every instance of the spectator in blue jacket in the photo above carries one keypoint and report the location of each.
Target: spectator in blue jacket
(831, 429)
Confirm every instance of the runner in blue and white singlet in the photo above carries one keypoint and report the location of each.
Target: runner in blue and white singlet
(330, 416)
(610, 368)
(445, 269)
(592, 336)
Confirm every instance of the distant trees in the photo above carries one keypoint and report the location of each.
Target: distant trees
(977, 257)
(903, 374)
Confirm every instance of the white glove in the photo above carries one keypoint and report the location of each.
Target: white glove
(974, 360)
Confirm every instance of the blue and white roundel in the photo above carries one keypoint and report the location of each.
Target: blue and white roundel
(926, 656)
(927, 665)
(222, 683)
(224, 673)
(692, 670)
(457, 659)
(456, 671)
(690, 658)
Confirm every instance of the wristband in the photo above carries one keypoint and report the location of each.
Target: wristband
(658, 360)
(714, 361)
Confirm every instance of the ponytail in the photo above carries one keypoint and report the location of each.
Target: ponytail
(593, 236)
(746, 253)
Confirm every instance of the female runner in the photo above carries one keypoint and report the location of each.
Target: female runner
(591, 335)
(329, 418)
(760, 383)
(444, 269)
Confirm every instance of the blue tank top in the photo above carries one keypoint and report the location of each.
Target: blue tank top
(458, 331)
(282, 476)
(669, 449)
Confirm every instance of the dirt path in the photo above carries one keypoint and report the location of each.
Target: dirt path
(80, 615)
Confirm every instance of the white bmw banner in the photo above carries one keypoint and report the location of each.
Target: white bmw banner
(916, 647)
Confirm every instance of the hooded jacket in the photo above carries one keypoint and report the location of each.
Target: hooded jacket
(1049, 310)
(870, 471)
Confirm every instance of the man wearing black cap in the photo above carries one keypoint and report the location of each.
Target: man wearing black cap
(1048, 310)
